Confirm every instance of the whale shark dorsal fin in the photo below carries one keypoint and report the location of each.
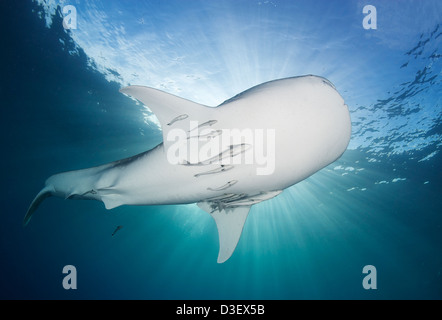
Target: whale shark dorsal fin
(172, 111)
(230, 223)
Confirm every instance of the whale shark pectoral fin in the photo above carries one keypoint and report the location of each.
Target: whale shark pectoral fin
(230, 223)
(172, 112)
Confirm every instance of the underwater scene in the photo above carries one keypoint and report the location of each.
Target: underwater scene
(352, 208)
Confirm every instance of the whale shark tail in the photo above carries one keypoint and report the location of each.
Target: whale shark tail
(43, 194)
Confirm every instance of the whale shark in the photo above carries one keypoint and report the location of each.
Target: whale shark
(225, 159)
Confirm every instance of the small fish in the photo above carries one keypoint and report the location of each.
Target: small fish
(205, 124)
(116, 230)
(223, 168)
(179, 118)
(227, 185)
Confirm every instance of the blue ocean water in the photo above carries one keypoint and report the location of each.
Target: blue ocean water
(379, 204)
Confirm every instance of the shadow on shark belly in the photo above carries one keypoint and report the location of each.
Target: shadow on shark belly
(225, 159)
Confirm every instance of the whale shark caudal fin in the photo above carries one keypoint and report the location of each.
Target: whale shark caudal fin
(172, 112)
(230, 223)
(43, 194)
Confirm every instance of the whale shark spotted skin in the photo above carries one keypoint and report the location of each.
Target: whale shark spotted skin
(310, 128)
